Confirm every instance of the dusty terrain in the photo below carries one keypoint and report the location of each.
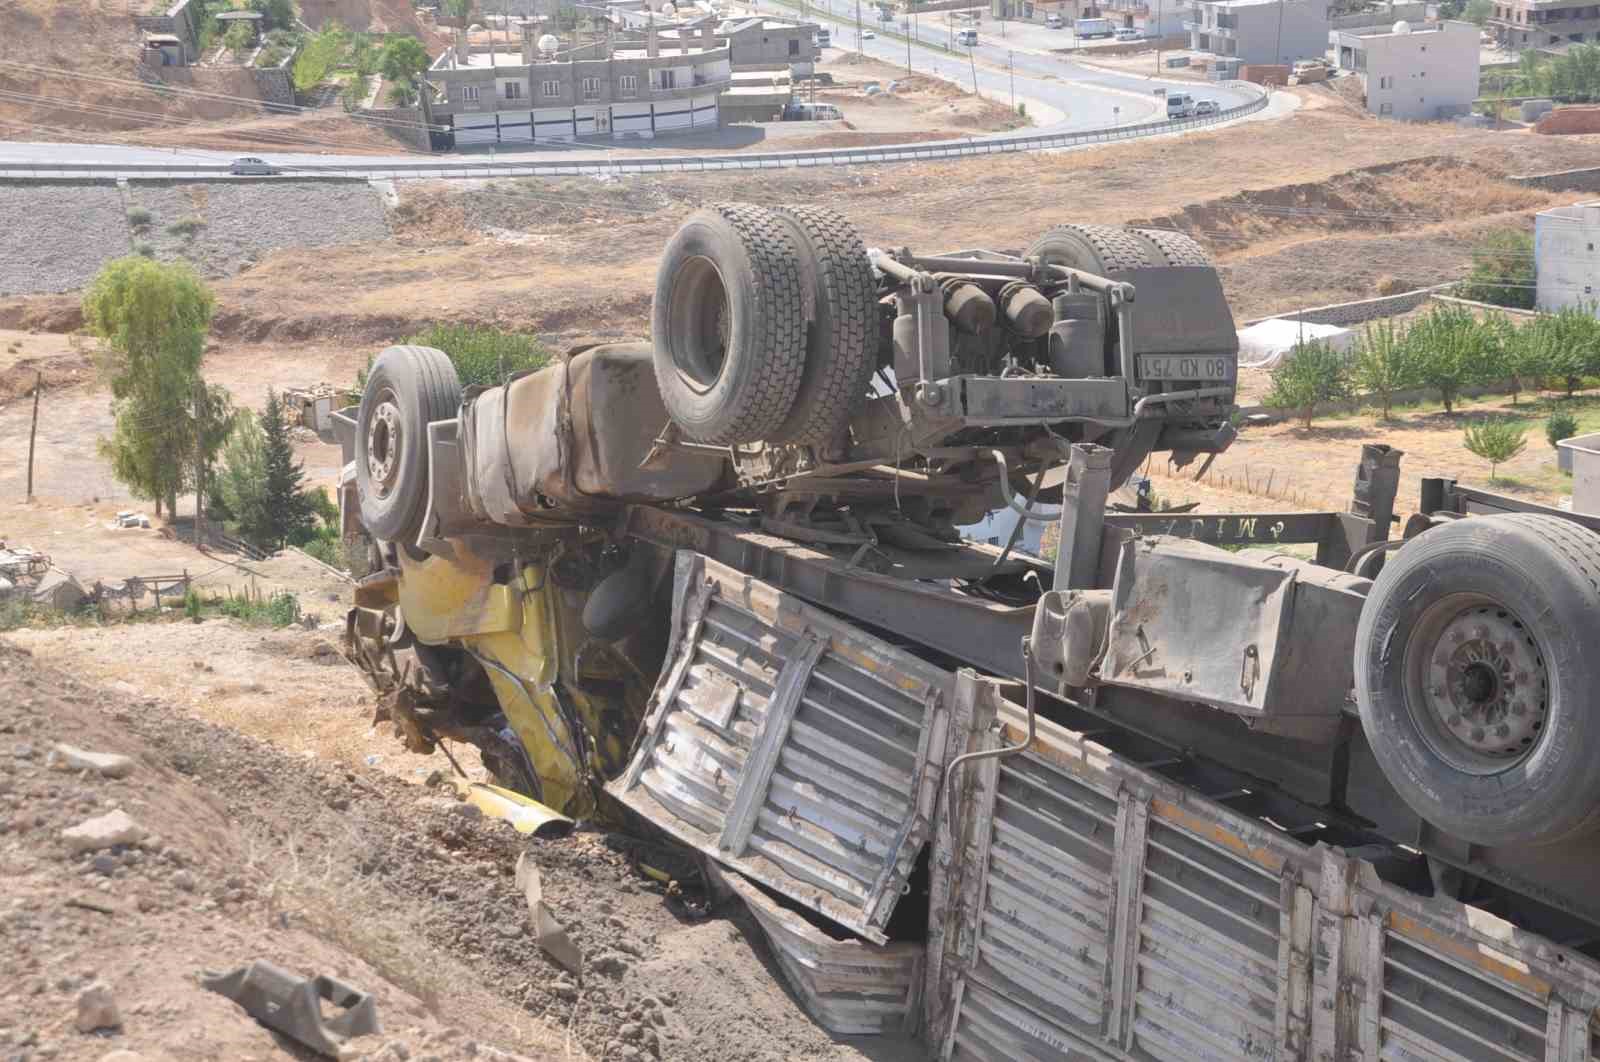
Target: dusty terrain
(251, 850)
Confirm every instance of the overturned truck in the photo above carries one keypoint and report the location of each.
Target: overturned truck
(1262, 786)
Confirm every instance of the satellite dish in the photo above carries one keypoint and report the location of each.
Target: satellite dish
(549, 44)
(475, 28)
(1402, 26)
(668, 10)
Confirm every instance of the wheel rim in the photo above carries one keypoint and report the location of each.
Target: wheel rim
(1477, 684)
(698, 324)
(385, 440)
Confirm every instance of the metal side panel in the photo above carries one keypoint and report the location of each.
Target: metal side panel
(792, 747)
(1444, 982)
(1119, 916)
(849, 986)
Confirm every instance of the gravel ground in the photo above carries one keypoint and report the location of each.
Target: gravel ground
(56, 235)
(59, 235)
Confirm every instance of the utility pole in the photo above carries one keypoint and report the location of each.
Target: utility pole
(858, 25)
(1160, 34)
(1278, 48)
(1012, 71)
(199, 464)
(907, 27)
(33, 430)
(973, 63)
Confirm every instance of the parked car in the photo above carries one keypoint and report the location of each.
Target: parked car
(868, 35)
(250, 166)
(1128, 33)
(1053, 21)
(1205, 107)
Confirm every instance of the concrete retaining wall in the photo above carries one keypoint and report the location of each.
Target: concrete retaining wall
(1586, 179)
(1565, 120)
(1360, 311)
(405, 124)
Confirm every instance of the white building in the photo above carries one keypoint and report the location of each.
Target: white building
(1415, 73)
(1267, 32)
(1565, 261)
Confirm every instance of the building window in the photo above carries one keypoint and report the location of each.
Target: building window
(551, 89)
(469, 93)
(794, 47)
(628, 84)
(591, 88)
(1386, 82)
(665, 79)
(513, 90)
(1385, 108)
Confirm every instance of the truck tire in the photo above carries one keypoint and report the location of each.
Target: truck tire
(407, 388)
(1174, 248)
(728, 324)
(839, 297)
(1476, 673)
(1099, 249)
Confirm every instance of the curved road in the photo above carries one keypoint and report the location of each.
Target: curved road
(1085, 98)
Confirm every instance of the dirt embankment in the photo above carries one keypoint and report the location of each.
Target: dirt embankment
(249, 852)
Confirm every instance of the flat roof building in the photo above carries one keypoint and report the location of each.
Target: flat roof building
(1417, 73)
(1266, 32)
(1538, 23)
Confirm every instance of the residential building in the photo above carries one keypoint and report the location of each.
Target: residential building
(620, 89)
(1537, 23)
(1566, 261)
(1415, 73)
(1260, 31)
(771, 44)
(1153, 18)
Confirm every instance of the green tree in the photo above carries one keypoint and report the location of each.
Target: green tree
(153, 318)
(238, 38)
(1478, 11)
(1574, 345)
(482, 356)
(1383, 364)
(1450, 350)
(461, 9)
(289, 511)
(1312, 372)
(276, 14)
(1502, 270)
(318, 58)
(1496, 441)
(1560, 426)
(239, 494)
(402, 94)
(403, 59)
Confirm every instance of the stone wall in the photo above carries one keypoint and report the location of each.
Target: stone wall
(1360, 311)
(1586, 179)
(1564, 120)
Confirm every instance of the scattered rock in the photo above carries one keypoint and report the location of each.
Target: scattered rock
(184, 880)
(97, 1009)
(104, 863)
(103, 831)
(106, 764)
(122, 1054)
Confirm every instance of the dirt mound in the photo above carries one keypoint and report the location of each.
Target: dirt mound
(18, 379)
(1385, 198)
(260, 854)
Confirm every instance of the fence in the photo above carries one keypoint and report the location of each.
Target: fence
(1009, 143)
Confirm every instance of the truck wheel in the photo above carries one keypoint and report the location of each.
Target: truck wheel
(407, 388)
(1099, 249)
(839, 294)
(1476, 674)
(1175, 248)
(729, 324)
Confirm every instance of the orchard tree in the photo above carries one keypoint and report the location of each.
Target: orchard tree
(403, 59)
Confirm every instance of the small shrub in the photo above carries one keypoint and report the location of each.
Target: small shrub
(1560, 426)
(1388, 285)
(143, 249)
(1495, 441)
(1310, 373)
(192, 604)
(186, 227)
(139, 217)
(483, 356)
(279, 610)
(1022, 110)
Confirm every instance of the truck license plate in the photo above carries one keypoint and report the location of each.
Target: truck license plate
(1178, 367)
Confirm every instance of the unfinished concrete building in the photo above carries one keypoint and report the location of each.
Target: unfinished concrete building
(622, 89)
(1416, 73)
(1260, 31)
(1540, 23)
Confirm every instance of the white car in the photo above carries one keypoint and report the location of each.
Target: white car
(250, 166)
(1205, 107)
(868, 35)
(1127, 33)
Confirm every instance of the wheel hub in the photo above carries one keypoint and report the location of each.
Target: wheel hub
(384, 439)
(1485, 686)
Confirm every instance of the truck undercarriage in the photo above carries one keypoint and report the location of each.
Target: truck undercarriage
(1273, 785)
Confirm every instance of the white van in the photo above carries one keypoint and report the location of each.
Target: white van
(967, 38)
(1180, 105)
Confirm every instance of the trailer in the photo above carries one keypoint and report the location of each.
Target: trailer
(1269, 785)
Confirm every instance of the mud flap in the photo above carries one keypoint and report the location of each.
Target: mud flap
(795, 748)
